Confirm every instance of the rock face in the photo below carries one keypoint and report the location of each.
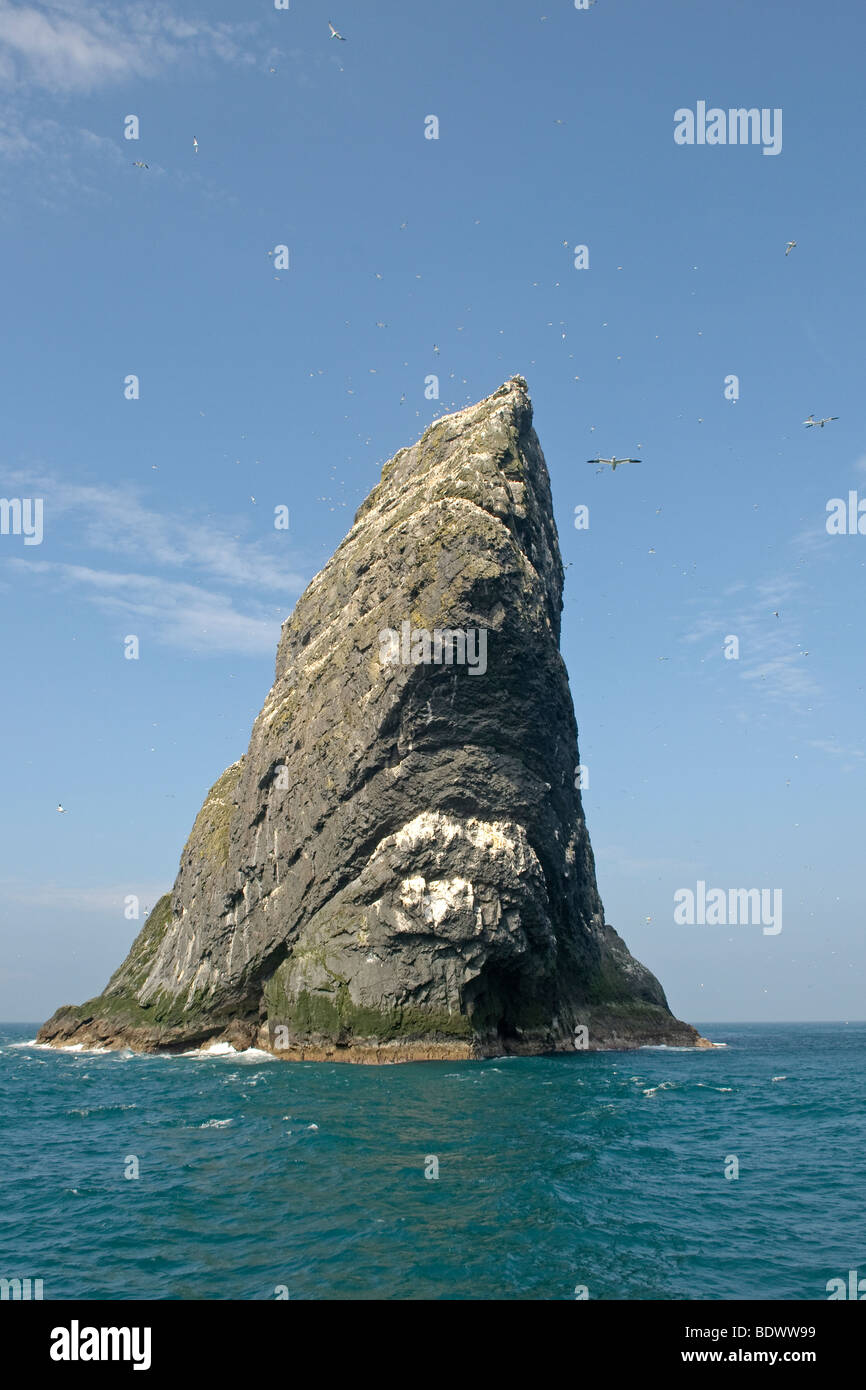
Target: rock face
(399, 867)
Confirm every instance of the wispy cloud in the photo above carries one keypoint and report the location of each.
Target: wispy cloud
(66, 897)
(68, 49)
(114, 519)
(70, 46)
(617, 859)
(199, 621)
(851, 759)
(199, 615)
(49, 162)
(771, 654)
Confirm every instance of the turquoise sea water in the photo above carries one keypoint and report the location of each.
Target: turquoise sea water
(604, 1170)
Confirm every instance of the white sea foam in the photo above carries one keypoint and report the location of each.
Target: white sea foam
(225, 1049)
(215, 1124)
(662, 1086)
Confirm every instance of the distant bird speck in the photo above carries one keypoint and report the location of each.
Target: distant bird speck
(334, 33)
(811, 421)
(789, 248)
(62, 810)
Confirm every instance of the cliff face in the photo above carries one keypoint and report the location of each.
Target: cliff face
(399, 867)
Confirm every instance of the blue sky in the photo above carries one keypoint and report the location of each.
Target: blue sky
(555, 130)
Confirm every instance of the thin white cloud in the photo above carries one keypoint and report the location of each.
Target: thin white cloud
(198, 621)
(46, 138)
(771, 653)
(71, 46)
(114, 519)
(65, 897)
(49, 162)
(201, 617)
(619, 859)
(851, 759)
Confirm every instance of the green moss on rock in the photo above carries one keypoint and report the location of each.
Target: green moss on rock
(135, 969)
(332, 1014)
(210, 833)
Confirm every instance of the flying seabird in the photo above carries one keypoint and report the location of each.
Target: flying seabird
(612, 462)
(789, 248)
(820, 423)
(195, 145)
(62, 810)
(334, 33)
(140, 165)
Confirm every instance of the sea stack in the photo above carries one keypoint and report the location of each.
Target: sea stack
(398, 868)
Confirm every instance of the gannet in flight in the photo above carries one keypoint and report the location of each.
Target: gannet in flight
(62, 810)
(195, 145)
(789, 248)
(334, 33)
(820, 423)
(612, 463)
(139, 164)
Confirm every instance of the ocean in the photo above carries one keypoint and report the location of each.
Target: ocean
(598, 1175)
